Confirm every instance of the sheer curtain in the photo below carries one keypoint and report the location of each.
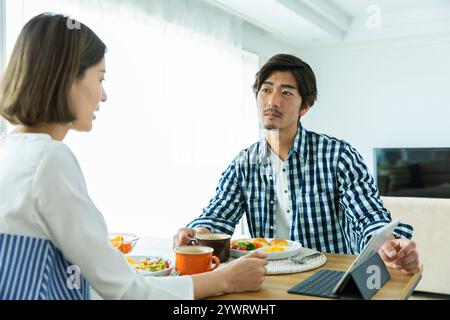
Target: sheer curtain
(179, 107)
(2, 52)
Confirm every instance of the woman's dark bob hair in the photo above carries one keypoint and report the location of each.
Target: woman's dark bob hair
(51, 52)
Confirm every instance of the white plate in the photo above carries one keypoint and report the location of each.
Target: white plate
(160, 273)
(291, 250)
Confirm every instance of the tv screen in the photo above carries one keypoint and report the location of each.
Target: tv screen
(413, 172)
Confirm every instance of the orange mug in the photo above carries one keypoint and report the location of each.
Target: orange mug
(195, 259)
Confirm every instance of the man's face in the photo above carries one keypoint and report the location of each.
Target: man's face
(279, 101)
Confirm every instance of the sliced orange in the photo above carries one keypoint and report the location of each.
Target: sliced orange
(116, 241)
(126, 247)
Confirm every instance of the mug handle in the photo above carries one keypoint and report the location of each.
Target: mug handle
(193, 242)
(216, 262)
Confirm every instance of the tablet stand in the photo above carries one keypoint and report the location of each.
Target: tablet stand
(365, 280)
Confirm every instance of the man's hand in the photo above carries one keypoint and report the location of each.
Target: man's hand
(184, 235)
(401, 254)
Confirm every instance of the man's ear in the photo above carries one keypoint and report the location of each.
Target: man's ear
(304, 109)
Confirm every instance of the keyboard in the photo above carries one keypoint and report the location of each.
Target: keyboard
(320, 284)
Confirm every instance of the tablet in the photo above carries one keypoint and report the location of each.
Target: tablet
(376, 241)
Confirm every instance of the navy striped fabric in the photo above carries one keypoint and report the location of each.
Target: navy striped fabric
(335, 205)
(33, 269)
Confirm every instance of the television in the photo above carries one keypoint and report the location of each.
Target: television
(413, 172)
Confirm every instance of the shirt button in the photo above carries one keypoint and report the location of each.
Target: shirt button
(271, 201)
(284, 170)
(285, 191)
(271, 227)
(288, 211)
(270, 177)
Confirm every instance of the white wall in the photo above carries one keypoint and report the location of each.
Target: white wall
(265, 46)
(383, 97)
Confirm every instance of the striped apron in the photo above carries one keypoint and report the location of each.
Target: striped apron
(34, 269)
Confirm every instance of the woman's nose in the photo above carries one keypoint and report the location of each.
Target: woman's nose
(104, 96)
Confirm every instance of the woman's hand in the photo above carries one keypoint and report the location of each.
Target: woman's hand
(246, 273)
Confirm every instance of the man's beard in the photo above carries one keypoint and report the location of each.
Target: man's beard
(270, 126)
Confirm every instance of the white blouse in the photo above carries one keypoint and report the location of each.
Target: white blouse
(43, 194)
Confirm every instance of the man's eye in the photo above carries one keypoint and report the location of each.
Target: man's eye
(287, 93)
(264, 90)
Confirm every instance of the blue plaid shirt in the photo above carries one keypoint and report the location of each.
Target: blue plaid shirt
(335, 205)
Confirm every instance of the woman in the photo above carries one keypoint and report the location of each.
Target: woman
(49, 227)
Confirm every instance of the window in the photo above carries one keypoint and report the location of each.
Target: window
(180, 107)
(2, 51)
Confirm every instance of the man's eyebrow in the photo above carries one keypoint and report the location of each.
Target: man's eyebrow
(289, 86)
(284, 85)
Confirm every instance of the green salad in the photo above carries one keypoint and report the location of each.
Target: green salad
(148, 264)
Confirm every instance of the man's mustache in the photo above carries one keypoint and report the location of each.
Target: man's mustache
(272, 110)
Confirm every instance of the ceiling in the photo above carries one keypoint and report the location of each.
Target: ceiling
(355, 7)
(319, 24)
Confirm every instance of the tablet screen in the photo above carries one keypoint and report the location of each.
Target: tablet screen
(372, 247)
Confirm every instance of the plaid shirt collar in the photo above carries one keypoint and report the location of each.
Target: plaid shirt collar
(299, 146)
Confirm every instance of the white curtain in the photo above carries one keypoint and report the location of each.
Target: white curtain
(179, 107)
(2, 52)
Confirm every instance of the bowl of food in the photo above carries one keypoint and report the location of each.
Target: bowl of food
(150, 265)
(125, 242)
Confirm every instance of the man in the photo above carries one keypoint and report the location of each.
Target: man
(300, 185)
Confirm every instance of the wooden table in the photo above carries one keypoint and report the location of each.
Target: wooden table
(275, 287)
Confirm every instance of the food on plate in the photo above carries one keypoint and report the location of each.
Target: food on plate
(149, 264)
(261, 241)
(276, 245)
(279, 243)
(243, 245)
(275, 249)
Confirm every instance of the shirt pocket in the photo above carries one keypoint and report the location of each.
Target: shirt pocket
(317, 205)
(316, 213)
